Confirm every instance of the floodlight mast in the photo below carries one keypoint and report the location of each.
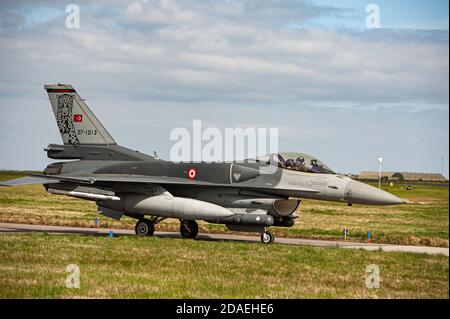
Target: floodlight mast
(380, 161)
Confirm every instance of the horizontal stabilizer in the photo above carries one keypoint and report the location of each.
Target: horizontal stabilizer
(28, 180)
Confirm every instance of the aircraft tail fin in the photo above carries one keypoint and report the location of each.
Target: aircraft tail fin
(76, 122)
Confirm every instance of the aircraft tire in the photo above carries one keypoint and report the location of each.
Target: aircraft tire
(267, 237)
(144, 227)
(188, 228)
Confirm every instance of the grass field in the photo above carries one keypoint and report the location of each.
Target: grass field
(33, 265)
(424, 222)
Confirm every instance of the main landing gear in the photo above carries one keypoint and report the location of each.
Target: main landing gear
(146, 227)
(267, 237)
(188, 228)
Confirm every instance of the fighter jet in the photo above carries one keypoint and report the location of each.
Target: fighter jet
(248, 196)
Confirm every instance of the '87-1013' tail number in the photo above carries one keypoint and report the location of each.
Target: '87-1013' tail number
(87, 132)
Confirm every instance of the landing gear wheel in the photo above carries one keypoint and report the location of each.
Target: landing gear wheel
(144, 227)
(189, 228)
(267, 237)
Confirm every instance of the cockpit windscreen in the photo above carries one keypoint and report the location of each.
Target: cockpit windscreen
(301, 162)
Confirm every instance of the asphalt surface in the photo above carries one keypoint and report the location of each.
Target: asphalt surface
(21, 228)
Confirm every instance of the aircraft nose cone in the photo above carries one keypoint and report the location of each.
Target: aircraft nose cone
(360, 193)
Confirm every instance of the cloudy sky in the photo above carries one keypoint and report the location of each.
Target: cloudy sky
(333, 87)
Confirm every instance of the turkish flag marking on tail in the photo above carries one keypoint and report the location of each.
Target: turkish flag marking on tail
(78, 118)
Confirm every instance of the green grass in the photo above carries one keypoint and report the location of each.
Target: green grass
(424, 222)
(33, 266)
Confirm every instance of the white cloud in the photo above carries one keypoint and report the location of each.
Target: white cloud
(189, 55)
(169, 42)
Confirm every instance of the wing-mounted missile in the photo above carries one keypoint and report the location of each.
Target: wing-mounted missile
(84, 192)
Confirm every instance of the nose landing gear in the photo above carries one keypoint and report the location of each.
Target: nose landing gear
(267, 237)
(188, 228)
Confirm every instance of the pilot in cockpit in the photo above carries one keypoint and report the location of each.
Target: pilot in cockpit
(300, 164)
(315, 168)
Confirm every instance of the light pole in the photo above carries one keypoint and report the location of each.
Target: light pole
(380, 160)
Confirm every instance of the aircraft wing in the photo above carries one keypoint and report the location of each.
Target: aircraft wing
(162, 180)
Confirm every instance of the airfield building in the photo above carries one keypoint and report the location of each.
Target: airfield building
(403, 176)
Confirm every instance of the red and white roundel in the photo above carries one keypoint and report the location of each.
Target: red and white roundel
(192, 173)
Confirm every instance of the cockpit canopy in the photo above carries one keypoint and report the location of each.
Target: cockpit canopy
(296, 161)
